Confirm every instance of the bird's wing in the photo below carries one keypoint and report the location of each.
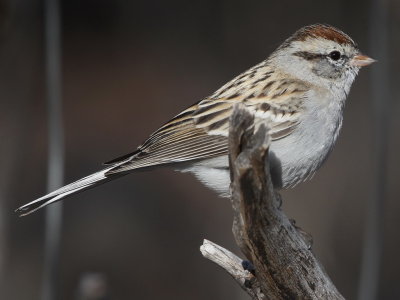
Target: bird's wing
(178, 140)
(201, 131)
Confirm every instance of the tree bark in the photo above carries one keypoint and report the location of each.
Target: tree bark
(284, 265)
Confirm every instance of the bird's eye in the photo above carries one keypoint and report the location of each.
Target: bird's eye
(335, 55)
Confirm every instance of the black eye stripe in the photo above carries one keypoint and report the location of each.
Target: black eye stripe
(308, 55)
(313, 56)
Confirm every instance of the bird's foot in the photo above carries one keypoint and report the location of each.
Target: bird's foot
(307, 237)
(248, 266)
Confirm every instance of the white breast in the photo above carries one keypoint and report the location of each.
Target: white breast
(297, 157)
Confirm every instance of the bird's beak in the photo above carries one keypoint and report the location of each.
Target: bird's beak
(361, 60)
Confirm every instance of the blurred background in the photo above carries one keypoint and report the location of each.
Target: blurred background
(129, 66)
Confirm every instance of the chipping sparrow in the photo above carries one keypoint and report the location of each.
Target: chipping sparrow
(299, 91)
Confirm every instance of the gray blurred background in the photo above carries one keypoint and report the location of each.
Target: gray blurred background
(129, 66)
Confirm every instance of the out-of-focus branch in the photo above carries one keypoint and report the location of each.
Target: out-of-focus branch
(56, 147)
(371, 256)
(285, 267)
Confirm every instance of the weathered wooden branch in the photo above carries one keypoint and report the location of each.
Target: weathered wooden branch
(285, 267)
(233, 265)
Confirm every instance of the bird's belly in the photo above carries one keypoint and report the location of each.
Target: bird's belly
(298, 156)
(293, 159)
(213, 173)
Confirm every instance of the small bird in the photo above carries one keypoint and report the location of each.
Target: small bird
(299, 91)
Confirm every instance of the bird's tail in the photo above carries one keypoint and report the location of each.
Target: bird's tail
(67, 190)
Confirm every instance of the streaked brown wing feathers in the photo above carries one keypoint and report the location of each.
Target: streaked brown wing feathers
(181, 146)
(201, 131)
(176, 141)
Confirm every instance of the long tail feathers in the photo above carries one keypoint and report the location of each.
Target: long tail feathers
(65, 191)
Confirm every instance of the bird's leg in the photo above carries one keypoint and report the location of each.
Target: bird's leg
(307, 237)
(278, 199)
